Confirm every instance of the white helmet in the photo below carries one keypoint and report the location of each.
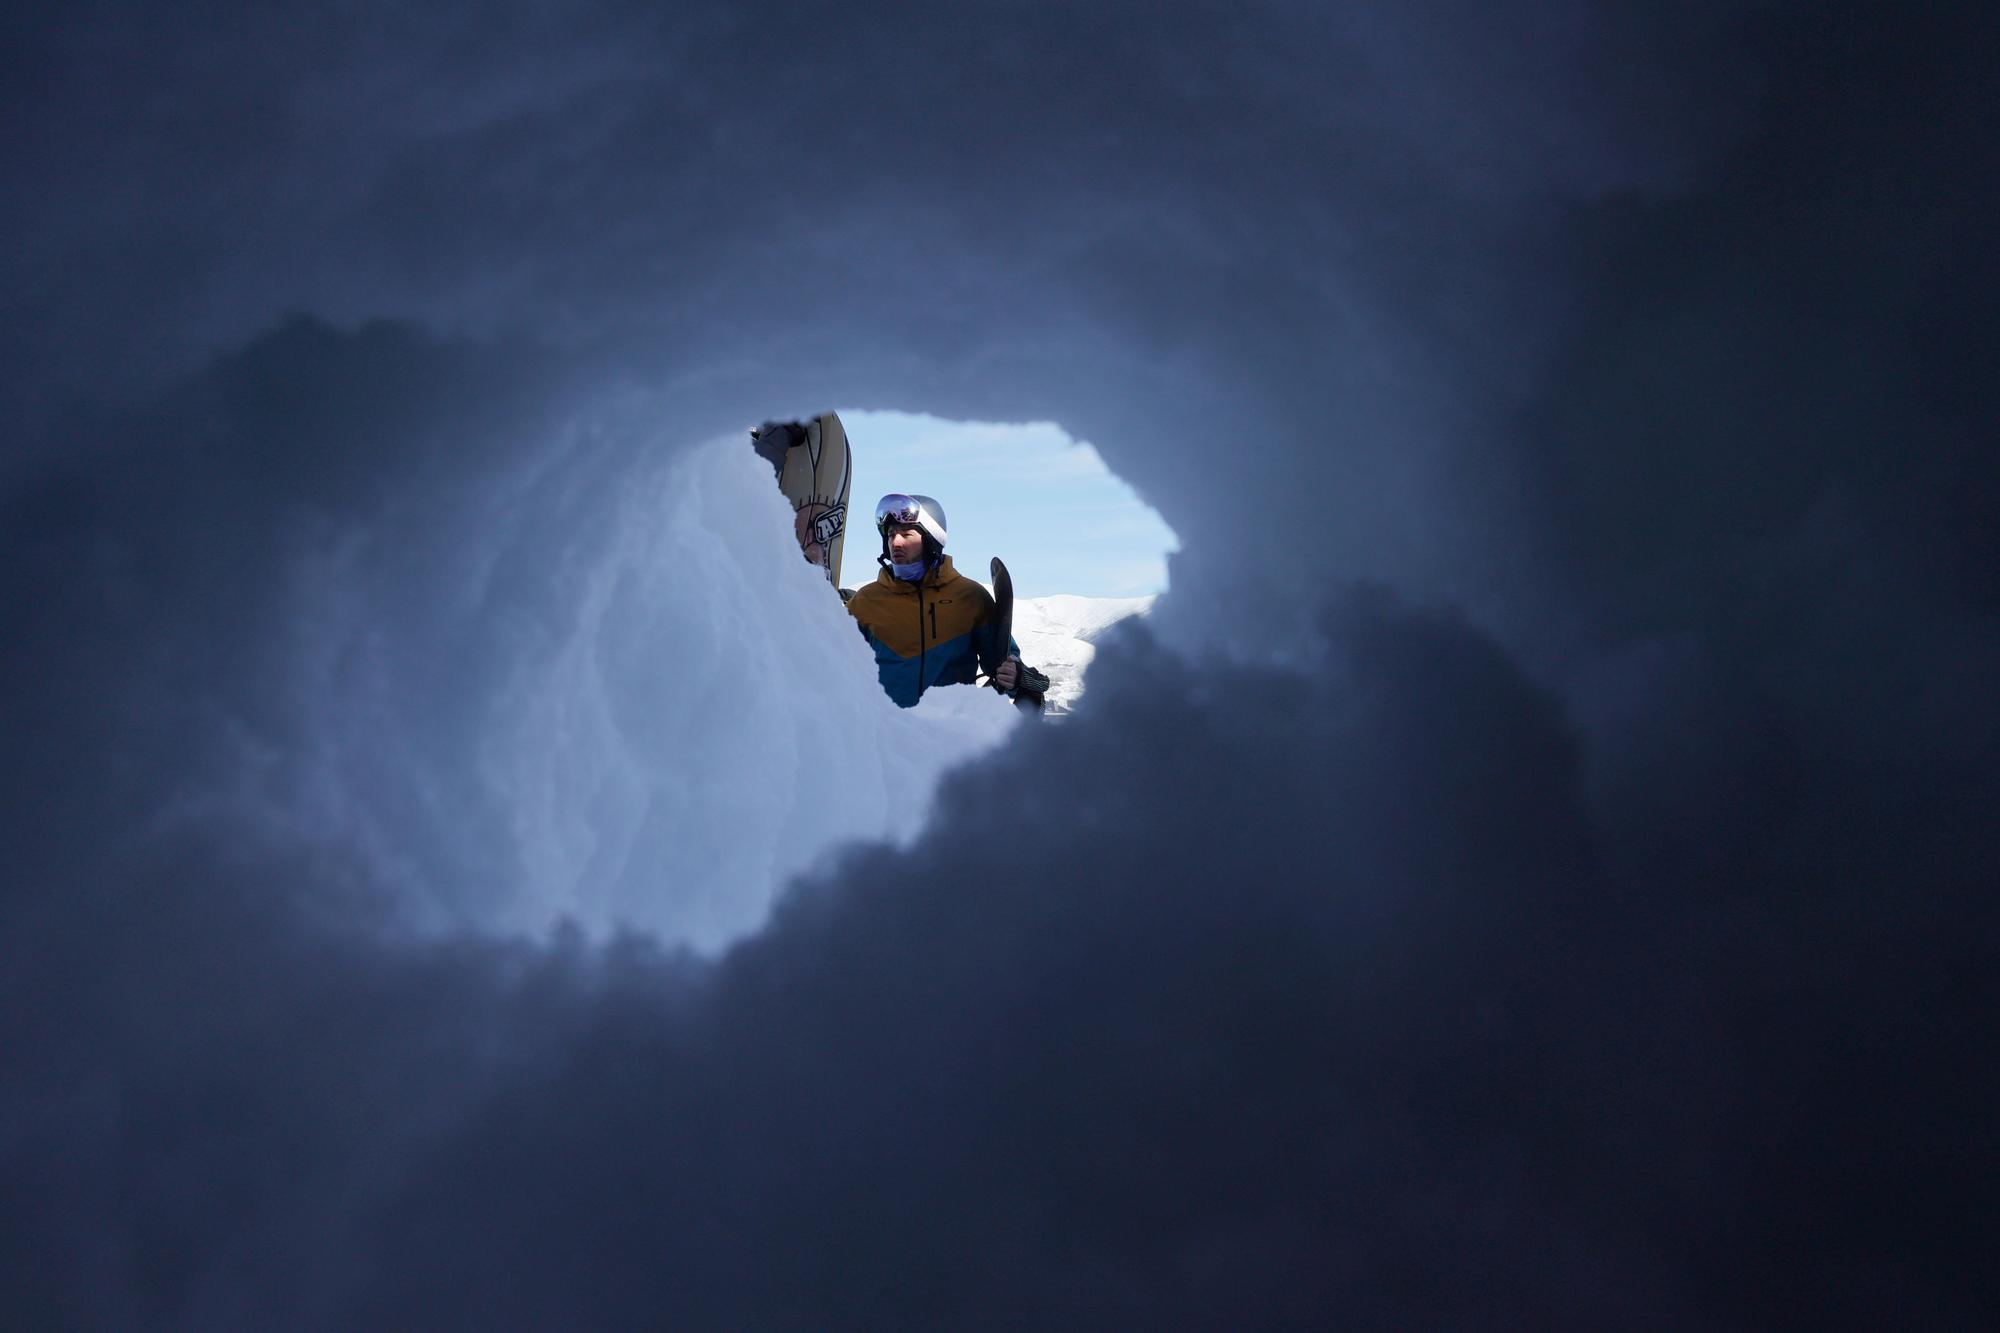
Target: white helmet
(920, 511)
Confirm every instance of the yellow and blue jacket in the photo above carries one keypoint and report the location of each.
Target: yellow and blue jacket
(929, 633)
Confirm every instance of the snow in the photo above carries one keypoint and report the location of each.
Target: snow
(675, 715)
(1058, 636)
(737, 734)
(661, 715)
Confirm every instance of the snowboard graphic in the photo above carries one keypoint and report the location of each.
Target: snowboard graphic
(813, 469)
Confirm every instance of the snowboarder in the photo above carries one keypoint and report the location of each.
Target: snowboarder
(928, 624)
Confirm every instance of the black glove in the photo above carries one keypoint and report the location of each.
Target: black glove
(1030, 684)
(774, 438)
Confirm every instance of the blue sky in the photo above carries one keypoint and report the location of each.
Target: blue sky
(1026, 492)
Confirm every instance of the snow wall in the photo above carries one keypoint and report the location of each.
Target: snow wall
(1527, 872)
(664, 714)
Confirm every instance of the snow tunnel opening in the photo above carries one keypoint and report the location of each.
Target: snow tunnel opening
(1083, 550)
(684, 721)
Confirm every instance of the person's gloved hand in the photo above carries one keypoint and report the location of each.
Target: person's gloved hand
(773, 438)
(1021, 681)
(782, 434)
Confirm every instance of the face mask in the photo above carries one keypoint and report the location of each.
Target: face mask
(911, 572)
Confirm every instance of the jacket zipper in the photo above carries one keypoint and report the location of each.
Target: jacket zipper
(920, 640)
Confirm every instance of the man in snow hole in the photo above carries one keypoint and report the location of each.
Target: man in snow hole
(928, 624)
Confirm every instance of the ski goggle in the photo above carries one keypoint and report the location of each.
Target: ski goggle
(902, 509)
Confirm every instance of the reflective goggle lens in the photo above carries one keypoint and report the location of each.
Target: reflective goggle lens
(895, 509)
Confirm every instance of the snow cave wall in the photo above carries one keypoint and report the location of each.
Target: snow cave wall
(1465, 894)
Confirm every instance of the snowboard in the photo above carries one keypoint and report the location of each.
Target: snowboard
(1003, 620)
(814, 471)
